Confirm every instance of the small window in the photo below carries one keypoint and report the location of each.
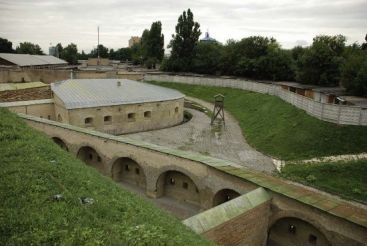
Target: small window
(127, 169)
(59, 118)
(88, 121)
(292, 229)
(197, 190)
(172, 181)
(131, 116)
(107, 119)
(312, 239)
(176, 110)
(41, 117)
(147, 114)
(49, 117)
(185, 185)
(137, 171)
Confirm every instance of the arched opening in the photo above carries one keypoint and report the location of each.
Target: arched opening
(60, 143)
(179, 186)
(59, 118)
(293, 231)
(127, 170)
(223, 196)
(90, 157)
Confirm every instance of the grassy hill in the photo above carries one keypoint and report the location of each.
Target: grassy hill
(33, 169)
(279, 129)
(347, 179)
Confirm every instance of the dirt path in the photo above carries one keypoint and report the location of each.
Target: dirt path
(224, 142)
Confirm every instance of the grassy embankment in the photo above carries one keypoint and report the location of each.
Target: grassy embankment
(278, 129)
(34, 169)
(345, 178)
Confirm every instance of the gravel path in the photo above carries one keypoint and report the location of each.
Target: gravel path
(224, 142)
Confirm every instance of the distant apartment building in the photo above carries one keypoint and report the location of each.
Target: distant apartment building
(134, 40)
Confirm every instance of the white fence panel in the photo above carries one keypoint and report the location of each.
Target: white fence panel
(349, 115)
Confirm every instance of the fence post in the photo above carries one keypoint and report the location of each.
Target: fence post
(322, 111)
(339, 111)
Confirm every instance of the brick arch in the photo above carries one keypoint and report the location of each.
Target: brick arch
(303, 221)
(60, 142)
(90, 156)
(179, 185)
(224, 195)
(127, 169)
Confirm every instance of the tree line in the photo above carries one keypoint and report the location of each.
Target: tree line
(328, 61)
(149, 51)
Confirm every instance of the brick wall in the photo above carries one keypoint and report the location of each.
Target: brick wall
(249, 228)
(26, 94)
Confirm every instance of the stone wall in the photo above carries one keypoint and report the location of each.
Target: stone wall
(31, 75)
(127, 118)
(341, 222)
(340, 114)
(40, 108)
(53, 75)
(26, 94)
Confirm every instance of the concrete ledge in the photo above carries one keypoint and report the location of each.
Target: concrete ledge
(220, 214)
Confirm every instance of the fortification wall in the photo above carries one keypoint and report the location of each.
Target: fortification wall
(340, 114)
(338, 220)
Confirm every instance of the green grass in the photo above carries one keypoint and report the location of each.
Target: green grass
(34, 169)
(347, 179)
(279, 129)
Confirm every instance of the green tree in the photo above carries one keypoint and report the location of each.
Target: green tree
(103, 52)
(82, 56)
(354, 71)
(70, 54)
(207, 59)
(29, 48)
(151, 44)
(183, 43)
(320, 64)
(6, 46)
(364, 45)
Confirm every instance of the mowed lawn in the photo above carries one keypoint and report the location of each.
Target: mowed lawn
(347, 179)
(33, 170)
(279, 129)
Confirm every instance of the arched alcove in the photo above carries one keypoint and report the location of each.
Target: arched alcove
(291, 231)
(223, 196)
(90, 157)
(61, 143)
(179, 186)
(127, 170)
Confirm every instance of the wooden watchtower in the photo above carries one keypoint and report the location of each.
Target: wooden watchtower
(218, 108)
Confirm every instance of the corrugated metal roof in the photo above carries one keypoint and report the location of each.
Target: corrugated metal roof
(87, 93)
(23, 60)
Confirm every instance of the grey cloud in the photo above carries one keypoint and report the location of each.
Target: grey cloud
(46, 21)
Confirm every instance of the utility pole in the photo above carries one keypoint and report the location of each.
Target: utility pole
(98, 46)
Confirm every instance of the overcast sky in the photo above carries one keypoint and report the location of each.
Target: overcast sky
(291, 22)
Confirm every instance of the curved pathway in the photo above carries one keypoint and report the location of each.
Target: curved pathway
(197, 135)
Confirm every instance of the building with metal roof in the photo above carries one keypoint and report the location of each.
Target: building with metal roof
(26, 60)
(117, 106)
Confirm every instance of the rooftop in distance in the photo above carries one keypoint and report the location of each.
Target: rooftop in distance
(87, 93)
(24, 60)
